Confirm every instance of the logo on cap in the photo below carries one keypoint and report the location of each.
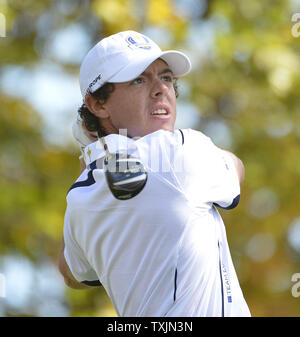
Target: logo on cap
(98, 78)
(138, 41)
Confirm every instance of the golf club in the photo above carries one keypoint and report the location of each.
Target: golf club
(126, 176)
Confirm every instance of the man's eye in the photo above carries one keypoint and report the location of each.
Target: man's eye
(138, 80)
(167, 78)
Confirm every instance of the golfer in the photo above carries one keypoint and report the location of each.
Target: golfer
(163, 252)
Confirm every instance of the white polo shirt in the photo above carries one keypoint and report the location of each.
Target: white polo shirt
(163, 252)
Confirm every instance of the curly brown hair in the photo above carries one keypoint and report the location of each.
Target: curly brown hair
(92, 122)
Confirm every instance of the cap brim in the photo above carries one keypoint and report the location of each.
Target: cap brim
(178, 62)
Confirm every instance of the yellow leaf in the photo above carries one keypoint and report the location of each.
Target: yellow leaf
(160, 12)
(117, 15)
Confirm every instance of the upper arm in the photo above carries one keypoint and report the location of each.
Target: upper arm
(239, 166)
(64, 269)
(219, 172)
(73, 262)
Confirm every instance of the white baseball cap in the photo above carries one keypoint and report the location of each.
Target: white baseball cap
(124, 56)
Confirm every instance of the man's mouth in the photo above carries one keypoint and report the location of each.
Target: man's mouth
(159, 112)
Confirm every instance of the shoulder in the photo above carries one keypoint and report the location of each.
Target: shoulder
(82, 185)
(196, 140)
(192, 134)
(179, 136)
(160, 139)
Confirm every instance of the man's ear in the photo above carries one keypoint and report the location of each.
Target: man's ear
(96, 107)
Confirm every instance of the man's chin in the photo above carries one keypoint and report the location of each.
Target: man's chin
(166, 128)
(139, 134)
(163, 126)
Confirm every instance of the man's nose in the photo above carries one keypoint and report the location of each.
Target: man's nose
(159, 88)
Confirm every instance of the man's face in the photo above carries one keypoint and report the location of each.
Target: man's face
(145, 104)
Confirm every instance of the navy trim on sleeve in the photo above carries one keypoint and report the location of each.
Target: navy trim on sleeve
(234, 203)
(89, 181)
(95, 283)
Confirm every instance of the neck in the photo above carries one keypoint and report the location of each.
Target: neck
(106, 127)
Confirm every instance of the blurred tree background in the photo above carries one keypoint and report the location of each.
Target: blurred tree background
(243, 92)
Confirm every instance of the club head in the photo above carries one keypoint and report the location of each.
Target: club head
(126, 176)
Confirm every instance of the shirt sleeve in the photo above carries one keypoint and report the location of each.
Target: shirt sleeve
(75, 258)
(219, 177)
(226, 187)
